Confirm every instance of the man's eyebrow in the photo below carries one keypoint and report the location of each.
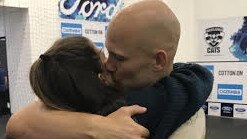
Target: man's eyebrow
(112, 53)
(117, 55)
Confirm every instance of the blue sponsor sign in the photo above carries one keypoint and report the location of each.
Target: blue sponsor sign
(71, 29)
(99, 44)
(91, 10)
(210, 68)
(230, 91)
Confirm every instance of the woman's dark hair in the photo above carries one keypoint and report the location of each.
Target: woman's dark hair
(66, 77)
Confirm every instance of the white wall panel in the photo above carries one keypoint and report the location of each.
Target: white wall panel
(18, 56)
(2, 29)
(14, 3)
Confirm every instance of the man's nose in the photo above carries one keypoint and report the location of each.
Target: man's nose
(110, 65)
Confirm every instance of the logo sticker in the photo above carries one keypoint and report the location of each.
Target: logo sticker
(213, 37)
(214, 107)
(240, 109)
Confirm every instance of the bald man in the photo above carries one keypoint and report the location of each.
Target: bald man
(142, 42)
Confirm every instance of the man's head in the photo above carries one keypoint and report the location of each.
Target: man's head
(142, 41)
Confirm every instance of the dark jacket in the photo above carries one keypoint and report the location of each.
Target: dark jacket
(173, 100)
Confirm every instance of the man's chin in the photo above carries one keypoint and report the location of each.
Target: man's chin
(119, 86)
(131, 87)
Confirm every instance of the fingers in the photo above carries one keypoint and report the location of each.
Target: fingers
(137, 131)
(140, 131)
(128, 111)
(144, 133)
(123, 119)
(133, 110)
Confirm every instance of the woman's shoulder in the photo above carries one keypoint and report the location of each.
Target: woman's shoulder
(17, 126)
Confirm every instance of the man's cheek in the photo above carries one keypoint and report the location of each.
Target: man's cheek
(127, 75)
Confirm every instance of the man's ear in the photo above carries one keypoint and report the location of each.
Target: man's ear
(161, 60)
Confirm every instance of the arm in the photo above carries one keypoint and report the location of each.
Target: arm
(37, 121)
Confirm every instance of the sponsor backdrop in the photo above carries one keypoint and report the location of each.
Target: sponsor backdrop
(223, 51)
(87, 18)
(229, 95)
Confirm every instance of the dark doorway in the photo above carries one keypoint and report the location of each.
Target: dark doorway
(4, 87)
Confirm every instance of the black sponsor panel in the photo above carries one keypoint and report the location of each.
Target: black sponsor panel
(3, 53)
(205, 107)
(227, 109)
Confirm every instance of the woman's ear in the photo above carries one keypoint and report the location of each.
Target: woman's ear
(160, 60)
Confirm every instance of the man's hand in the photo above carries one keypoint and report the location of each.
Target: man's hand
(122, 126)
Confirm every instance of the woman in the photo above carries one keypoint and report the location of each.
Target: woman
(66, 77)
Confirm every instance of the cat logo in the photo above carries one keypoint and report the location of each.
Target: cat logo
(213, 37)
